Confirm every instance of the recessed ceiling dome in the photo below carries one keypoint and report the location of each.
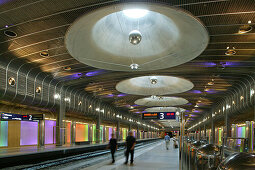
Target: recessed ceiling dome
(161, 101)
(164, 109)
(154, 85)
(151, 36)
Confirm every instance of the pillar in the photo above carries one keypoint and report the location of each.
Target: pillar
(73, 132)
(227, 126)
(60, 124)
(137, 133)
(199, 133)
(204, 131)
(98, 123)
(41, 134)
(212, 130)
(118, 131)
(129, 127)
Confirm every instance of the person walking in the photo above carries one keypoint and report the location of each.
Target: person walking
(167, 140)
(130, 146)
(113, 146)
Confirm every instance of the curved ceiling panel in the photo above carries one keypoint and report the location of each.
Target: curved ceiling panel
(164, 109)
(129, 36)
(161, 101)
(154, 85)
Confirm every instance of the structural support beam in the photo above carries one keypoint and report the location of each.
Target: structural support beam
(137, 133)
(60, 124)
(129, 127)
(41, 134)
(227, 126)
(204, 131)
(118, 131)
(98, 123)
(73, 131)
(212, 130)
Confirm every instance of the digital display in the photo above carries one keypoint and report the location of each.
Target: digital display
(11, 116)
(159, 115)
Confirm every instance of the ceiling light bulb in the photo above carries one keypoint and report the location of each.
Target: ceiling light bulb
(154, 80)
(196, 105)
(135, 37)
(134, 66)
(135, 13)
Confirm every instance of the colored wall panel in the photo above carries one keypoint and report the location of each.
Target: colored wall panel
(68, 132)
(94, 133)
(110, 133)
(3, 133)
(14, 133)
(80, 133)
(50, 131)
(101, 133)
(124, 132)
(28, 133)
(86, 132)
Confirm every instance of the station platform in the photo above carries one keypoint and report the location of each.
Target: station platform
(155, 157)
(33, 155)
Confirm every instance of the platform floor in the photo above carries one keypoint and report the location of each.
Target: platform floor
(151, 158)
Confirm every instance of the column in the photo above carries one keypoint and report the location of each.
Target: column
(227, 126)
(98, 129)
(199, 132)
(41, 134)
(60, 124)
(204, 131)
(138, 133)
(118, 131)
(129, 127)
(212, 130)
(73, 132)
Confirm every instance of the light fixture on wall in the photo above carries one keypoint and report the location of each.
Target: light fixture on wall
(11, 81)
(230, 51)
(56, 96)
(38, 90)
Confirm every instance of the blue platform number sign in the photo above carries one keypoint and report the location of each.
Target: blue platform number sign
(166, 115)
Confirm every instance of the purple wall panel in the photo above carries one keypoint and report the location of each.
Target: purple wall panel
(49, 128)
(28, 133)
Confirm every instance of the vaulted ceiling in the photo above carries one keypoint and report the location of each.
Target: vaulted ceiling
(41, 26)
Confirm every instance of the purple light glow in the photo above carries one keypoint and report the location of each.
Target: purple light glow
(212, 91)
(144, 112)
(229, 64)
(196, 111)
(28, 133)
(187, 110)
(121, 95)
(95, 73)
(49, 128)
(110, 95)
(137, 112)
(206, 64)
(195, 91)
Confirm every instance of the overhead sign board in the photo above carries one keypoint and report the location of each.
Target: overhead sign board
(11, 116)
(159, 115)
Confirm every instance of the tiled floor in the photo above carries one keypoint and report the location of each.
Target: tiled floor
(153, 158)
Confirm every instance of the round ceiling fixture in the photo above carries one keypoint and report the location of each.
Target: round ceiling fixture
(11, 81)
(164, 109)
(151, 36)
(230, 51)
(164, 101)
(245, 29)
(154, 85)
(67, 68)
(10, 33)
(44, 54)
(135, 37)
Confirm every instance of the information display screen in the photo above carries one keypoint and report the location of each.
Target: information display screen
(11, 116)
(159, 115)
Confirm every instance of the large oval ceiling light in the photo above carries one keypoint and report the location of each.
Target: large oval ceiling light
(135, 13)
(136, 37)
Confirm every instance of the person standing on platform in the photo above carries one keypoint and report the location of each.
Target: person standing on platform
(113, 146)
(130, 146)
(167, 140)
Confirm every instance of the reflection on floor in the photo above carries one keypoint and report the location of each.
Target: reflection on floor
(153, 158)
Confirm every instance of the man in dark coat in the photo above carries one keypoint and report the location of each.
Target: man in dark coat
(130, 144)
(113, 146)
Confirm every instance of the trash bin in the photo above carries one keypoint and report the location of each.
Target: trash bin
(208, 156)
(192, 149)
(242, 160)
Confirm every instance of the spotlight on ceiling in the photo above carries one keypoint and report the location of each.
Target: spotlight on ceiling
(196, 105)
(245, 28)
(154, 80)
(134, 66)
(135, 37)
(211, 83)
(135, 13)
(230, 51)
